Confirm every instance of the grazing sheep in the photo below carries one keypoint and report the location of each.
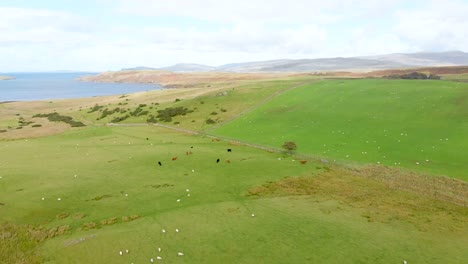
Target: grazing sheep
(43, 198)
(174, 158)
(59, 199)
(187, 190)
(120, 253)
(253, 215)
(158, 258)
(159, 249)
(188, 194)
(180, 254)
(178, 200)
(164, 230)
(126, 251)
(177, 230)
(151, 260)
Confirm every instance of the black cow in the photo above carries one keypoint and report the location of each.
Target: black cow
(160, 164)
(217, 161)
(229, 150)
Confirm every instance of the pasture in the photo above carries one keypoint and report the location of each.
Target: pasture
(418, 125)
(89, 194)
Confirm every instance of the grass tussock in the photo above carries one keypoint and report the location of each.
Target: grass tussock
(19, 243)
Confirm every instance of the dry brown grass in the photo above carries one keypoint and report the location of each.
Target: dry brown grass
(181, 80)
(380, 199)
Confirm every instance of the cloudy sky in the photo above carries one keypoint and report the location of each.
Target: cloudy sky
(99, 35)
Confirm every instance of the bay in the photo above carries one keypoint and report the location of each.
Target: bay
(47, 86)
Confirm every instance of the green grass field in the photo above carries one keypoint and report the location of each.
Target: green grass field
(419, 125)
(86, 194)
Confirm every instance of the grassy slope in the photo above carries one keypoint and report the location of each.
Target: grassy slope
(215, 221)
(394, 122)
(344, 219)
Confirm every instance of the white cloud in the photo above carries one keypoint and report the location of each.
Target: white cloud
(440, 25)
(40, 39)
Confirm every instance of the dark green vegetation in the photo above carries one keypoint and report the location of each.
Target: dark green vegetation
(90, 193)
(420, 125)
(414, 76)
(56, 117)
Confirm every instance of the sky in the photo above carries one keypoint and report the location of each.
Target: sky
(101, 35)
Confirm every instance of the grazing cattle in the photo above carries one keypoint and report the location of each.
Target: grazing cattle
(303, 161)
(228, 161)
(217, 161)
(160, 164)
(229, 150)
(174, 158)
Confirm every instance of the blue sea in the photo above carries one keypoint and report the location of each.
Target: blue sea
(46, 86)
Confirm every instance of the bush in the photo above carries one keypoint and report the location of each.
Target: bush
(213, 113)
(210, 121)
(3, 130)
(289, 146)
(119, 119)
(151, 119)
(95, 108)
(36, 125)
(177, 100)
(223, 110)
(55, 117)
(167, 114)
(143, 113)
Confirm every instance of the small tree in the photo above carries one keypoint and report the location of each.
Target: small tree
(289, 147)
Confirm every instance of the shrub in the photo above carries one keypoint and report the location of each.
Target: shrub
(95, 108)
(119, 119)
(167, 114)
(177, 100)
(151, 119)
(289, 146)
(3, 130)
(55, 117)
(213, 113)
(223, 110)
(210, 121)
(36, 125)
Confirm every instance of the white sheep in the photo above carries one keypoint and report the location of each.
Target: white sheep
(177, 230)
(180, 254)
(151, 260)
(158, 258)
(126, 251)
(159, 249)
(120, 253)
(164, 230)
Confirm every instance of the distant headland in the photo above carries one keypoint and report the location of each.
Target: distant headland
(4, 78)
